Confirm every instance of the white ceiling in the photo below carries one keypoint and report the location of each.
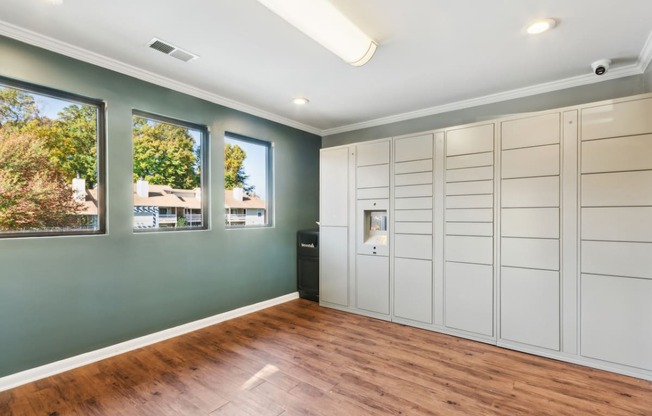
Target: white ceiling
(433, 55)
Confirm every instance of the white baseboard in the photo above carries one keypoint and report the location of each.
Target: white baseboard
(33, 374)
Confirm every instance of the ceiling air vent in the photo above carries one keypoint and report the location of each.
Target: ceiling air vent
(172, 50)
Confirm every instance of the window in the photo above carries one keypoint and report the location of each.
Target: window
(51, 162)
(169, 179)
(248, 196)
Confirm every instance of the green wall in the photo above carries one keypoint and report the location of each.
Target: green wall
(605, 90)
(62, 296)
(648, 78)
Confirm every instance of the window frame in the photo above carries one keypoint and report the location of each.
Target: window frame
(204, 177)
(269, 180)
(73, 98)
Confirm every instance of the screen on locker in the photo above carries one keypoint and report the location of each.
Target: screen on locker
(375, 227)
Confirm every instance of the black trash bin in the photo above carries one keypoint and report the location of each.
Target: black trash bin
(308, 264)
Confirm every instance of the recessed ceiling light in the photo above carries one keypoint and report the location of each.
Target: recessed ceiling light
(301, 101)
(55, 2)
(540, 26)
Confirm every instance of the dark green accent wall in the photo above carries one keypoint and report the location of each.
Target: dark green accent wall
(605, 90)
(63, 296)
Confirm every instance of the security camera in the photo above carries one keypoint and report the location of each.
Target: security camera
(601, 67)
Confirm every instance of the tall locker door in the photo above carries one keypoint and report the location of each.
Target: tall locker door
(334, 227)
(413, 289)
(372, 285)
(469, 239)
(530, 231)
(413, 229)
(333, 265)
(334, 190)
(372, 289)
(616, 233)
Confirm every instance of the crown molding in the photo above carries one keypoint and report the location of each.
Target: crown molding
(42, 41)
(36, 39)
(637, 68)
(645, 57)
(633, 69)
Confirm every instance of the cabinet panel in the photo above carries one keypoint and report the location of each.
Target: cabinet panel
(413, 178)
(617, 259)
(333, 265)
(530, 222)
(617, 224)
(469, 298)
(470, 174)
(373, 193)
(485, 229)
(529, 162)
(620, 119)
(619, 154)
(372, 153)
(413, 246)
(470, 215)
(470, 188)
(530, 192)
(532, 131)
(470, 161)
(413, 228)
(418, 215)
(530, 253)
(616, 320)
(413, 203)
(469, 249)
(413, 148)
(617, 189)
(470, 201)
(412, 191)
(372, 283)
(529, 311)
(413, 167)
(372, 176)
(413, 289)
(470, 140)
(334, 192)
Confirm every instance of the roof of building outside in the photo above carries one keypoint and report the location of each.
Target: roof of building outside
(248, 201)
(167, 197)
(188, 197)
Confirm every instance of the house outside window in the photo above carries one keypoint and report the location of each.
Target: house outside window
(248, 193)
(169, 179)
(51, 162)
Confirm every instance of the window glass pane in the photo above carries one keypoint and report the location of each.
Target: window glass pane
(247, 182)
(168, 180)
(49, 151)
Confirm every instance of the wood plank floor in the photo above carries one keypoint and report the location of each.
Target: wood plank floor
(300, 359)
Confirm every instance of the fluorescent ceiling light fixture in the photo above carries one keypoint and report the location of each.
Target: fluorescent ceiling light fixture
(540, 26)
(325, 24)
(301, 101)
